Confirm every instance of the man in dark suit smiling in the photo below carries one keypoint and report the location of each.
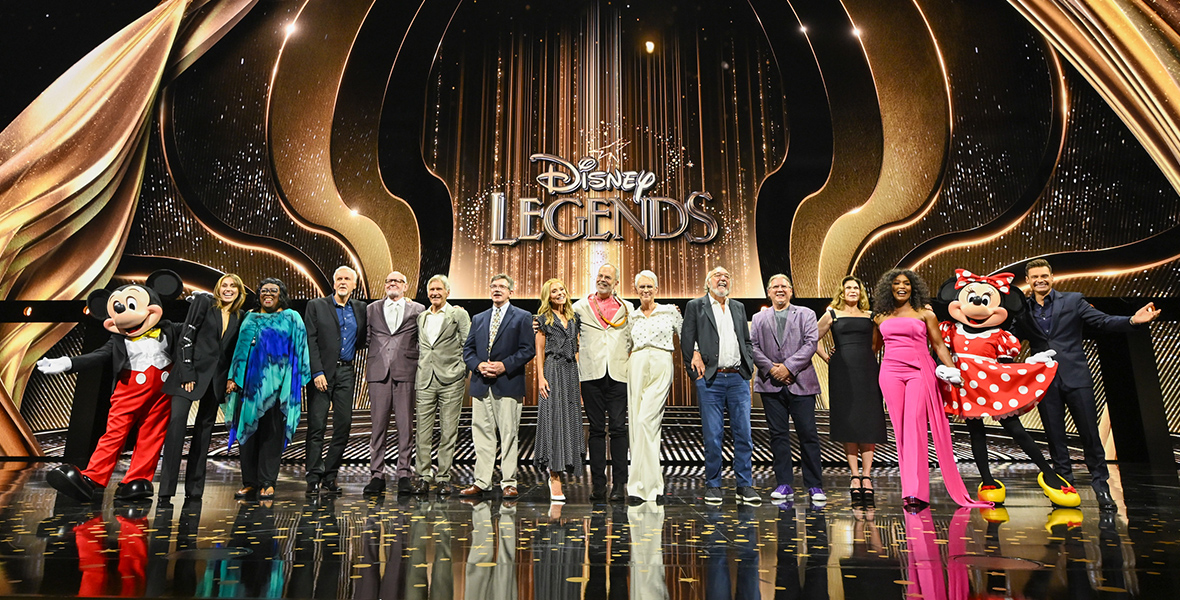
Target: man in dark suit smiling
(1055, 323)
(497, 349)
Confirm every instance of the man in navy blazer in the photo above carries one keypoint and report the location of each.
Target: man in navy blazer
(784, 341)
(1054, 322)
(715, 342)
(497, 349)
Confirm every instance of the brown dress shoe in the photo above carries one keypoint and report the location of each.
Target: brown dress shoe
(510, 492)
(471, 491)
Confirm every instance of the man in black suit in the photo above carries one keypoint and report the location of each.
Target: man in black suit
(1055, 323)
(715, 342)
(335, 327)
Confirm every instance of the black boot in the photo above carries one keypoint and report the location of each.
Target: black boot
(137, 489)
(68, 480)
(1102, 493)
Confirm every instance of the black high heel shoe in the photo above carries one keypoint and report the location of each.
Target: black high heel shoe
(866, 493)
(855, 491)
(914, 505)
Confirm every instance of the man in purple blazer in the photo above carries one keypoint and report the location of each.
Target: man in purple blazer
(784, 340)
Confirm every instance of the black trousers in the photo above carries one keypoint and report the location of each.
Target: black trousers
(606, 400)
(262, 451)
(198, 451)
(780, 409)
(1080, 402)
(341, 382)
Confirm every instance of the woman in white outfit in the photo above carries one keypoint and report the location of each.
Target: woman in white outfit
(649, 378)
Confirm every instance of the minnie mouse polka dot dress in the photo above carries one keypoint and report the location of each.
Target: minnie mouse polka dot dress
(990, 388)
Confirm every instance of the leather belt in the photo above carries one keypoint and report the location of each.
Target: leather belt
(728, 370)
(347, 363)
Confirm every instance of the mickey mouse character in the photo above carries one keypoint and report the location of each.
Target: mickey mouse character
(979, 306)
(140, 354)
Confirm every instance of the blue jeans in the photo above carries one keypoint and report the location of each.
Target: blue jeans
(727, 392)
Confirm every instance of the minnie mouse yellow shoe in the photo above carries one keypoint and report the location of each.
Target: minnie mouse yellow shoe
(993, 493)
(1065, 495)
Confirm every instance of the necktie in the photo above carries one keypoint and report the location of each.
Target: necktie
(393, 317)
(492, 331)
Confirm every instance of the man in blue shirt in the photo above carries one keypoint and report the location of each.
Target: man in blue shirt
(333, 326)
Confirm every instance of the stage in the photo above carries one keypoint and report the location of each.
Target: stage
(352, 546)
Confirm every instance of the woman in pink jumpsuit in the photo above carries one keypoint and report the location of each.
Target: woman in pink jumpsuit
(909, 382)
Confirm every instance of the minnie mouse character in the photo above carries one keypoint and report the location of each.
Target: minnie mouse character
(979, 307)
(140, 354)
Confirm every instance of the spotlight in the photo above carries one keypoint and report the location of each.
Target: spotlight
(291, 28)
(856, 31)
(650, 47)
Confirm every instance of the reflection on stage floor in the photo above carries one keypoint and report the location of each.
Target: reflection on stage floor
(351, 546)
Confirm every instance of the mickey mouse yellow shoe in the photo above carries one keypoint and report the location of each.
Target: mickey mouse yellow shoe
(994, 494)
(1065, 495)
(1070, 517)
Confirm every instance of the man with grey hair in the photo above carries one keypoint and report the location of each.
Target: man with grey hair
(391, 373)
(715, 342)
(334, 326)
(783, 340)
(442, 330)
(498, 347)
(603, 347)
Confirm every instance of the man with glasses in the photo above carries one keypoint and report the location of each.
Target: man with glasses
(333, 326)
(391, 371)
(497, 349)
(715, 342)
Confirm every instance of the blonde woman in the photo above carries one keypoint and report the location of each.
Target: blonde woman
(559, 441)
(649, 378)
(856, 411)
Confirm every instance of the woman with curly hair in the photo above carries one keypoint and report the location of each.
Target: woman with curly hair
(909, 382)
(857, 416)
(266, 379)
(559, 412)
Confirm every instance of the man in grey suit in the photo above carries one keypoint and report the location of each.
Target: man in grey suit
(784, 339)
(442, 330)
(715, 342)
(391, 371)
(334, 325)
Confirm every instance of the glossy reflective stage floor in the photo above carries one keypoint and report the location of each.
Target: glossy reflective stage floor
(349, 546)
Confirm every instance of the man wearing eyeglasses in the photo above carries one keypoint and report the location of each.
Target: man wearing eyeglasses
(497, 349)
(391, 370)
(333, 324)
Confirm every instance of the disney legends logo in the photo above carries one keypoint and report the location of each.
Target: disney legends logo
(600, 219)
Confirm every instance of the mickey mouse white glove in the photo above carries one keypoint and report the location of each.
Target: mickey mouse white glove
(1043, 357)
(950, 375)
(53, 366)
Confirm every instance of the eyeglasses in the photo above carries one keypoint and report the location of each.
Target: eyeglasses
(269, 291)
(498, 286)
(395, 281)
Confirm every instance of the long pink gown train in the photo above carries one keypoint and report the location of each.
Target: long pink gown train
(912, 396)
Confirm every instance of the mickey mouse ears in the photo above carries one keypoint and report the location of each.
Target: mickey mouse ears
(166, 283)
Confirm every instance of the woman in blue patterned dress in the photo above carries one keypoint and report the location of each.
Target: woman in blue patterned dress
(269, 370)
(560, 442)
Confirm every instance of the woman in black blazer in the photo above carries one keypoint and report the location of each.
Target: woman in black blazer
(200, 372)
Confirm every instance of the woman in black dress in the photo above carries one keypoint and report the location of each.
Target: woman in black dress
(559, 443)
(855, 408)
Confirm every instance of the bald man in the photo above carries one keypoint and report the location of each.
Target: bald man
(391, 370)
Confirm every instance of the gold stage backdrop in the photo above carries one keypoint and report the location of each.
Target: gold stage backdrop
(286, 137)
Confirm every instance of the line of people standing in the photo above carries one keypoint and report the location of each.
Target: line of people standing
(605, 355)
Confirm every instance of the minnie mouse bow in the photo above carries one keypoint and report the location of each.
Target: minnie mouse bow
(1001, 281)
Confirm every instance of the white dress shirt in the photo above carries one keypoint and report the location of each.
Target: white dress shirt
(395, 311)
(728, 354)
(434, 322)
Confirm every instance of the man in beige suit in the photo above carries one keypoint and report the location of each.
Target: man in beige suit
(391, 371)
(603, 348)
(441, 383)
